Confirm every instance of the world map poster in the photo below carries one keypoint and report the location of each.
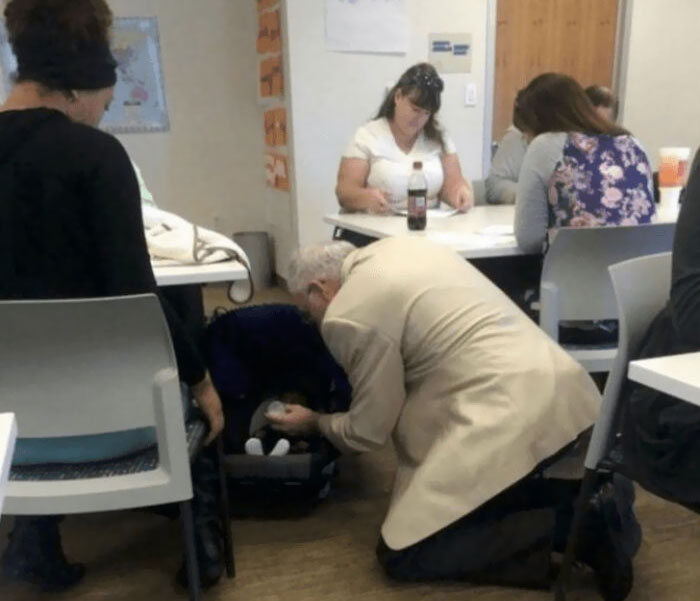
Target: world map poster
(139, 103)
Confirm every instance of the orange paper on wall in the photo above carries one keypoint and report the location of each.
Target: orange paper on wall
(276, 127)
(281, 127)
(263, 34)
(265, 4)
(269, 30)
(276, 171)
(271, 82)
(269, 39)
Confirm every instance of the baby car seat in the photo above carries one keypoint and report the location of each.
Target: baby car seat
(259, 353)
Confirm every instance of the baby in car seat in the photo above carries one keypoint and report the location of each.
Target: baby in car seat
(264, 439)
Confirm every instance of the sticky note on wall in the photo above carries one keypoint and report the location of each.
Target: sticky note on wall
(271, 80)
(276, 127)
(269, 32)
(277, 171)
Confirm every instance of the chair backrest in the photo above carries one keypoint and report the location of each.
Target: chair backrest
(575, 281)
(641, 288)
(82, 366)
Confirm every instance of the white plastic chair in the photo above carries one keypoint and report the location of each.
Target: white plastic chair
(576, 286)
(91, 366)
(641, 288)
(8, 433)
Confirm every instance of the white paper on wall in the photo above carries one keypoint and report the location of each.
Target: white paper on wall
(450, 52)
(367, 26)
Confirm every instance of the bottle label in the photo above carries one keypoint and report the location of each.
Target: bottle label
(417, 204)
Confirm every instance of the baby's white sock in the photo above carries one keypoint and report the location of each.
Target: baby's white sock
(281, 448)
(253, 446)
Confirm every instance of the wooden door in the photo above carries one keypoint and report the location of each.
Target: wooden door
(576, 37)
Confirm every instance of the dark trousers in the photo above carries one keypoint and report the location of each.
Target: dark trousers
(187, 302)
(518, 277)
(506, 541)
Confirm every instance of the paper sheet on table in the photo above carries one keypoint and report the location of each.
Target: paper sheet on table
(497, 230)
(431, 213)
(367, 26)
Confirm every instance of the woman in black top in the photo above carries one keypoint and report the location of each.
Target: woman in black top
(660, 433)
(70, 216)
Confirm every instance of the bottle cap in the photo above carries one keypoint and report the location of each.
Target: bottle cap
(418, 164)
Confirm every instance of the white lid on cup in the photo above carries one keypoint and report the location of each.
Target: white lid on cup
(675, 152)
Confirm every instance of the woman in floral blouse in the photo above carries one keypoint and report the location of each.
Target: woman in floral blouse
(580, 170)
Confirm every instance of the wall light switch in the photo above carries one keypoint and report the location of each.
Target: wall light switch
(470, 94)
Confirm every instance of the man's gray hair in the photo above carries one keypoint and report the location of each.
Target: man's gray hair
(318, 262)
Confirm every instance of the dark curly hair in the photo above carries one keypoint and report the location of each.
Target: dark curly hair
(423, 86)
(46, 35)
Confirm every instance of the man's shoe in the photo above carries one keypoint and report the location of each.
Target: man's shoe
(601, 548)
(622, 515)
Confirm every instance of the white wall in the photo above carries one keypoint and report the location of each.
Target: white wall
(333, 93)
(661, 104)
(209, 166)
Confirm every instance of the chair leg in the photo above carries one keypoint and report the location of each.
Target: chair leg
(225, 520)
(585, 493)
(191, 563)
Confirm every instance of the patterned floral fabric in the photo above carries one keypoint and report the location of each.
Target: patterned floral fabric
(601, 181)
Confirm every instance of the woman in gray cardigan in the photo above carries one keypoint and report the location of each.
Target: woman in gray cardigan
(502, 180)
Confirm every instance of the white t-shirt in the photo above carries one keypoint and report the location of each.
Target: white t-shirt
(390, 167)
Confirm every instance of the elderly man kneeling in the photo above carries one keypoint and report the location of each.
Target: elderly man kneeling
(482, 407)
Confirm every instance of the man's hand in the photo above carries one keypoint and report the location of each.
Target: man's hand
(295, 421)
(208, 401)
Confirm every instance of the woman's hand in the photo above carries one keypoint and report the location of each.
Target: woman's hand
(461, 199)
(295, 421)
(376, 202)
(352, 190)
(456, 190)
(208, 401)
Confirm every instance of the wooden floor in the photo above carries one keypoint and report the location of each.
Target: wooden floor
(328, 555)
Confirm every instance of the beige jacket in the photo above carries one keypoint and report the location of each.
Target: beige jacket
(473, 392)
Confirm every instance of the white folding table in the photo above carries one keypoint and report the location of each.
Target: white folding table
(482, 232)
(676, 375)
(209, 273)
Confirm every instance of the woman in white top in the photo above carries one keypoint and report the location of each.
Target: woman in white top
(374, 170)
